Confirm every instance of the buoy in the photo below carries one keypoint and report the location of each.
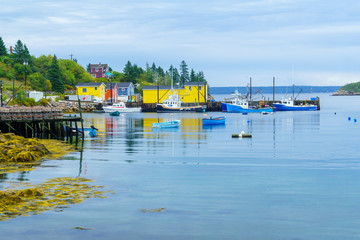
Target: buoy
(241, 135)
(335, 113)
(171, 114)
(248, 121)
(205, 115)
(354, 119)
(349, 118)
(122, 115)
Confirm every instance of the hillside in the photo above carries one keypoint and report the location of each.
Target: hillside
(348, 89)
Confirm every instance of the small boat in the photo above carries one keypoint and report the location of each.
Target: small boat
(120, 107)
(173, 104)
(242, 106)
(170, 124)
(92, 132)
(289, 105)
(213, 121)
(116, 113)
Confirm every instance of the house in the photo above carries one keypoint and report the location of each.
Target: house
(97, 90)
(126, 91)
(111, 93)
(98, 70)
(192, 92)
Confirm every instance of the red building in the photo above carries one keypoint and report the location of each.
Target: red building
(111, 89)
(98, 70)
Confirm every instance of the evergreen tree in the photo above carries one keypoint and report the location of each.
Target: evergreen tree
(54, 76)
(200, 77)
(193, 77)
(176, 76)
(26, 55)
(19, 52)
(3, 51)
(153, 67)
(88, 68)
(184, 73)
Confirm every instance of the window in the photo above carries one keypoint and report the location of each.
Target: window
(95, 88)
(84, 89)
(122, 89)
(199, 88)
(93, 75)
(189, 88)
(93, 69)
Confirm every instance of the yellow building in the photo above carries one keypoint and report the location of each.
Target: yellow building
(93, 89)
(192, 92)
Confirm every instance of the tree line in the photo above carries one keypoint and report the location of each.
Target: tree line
(48, 73)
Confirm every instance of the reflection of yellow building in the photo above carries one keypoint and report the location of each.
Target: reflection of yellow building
(192, 92)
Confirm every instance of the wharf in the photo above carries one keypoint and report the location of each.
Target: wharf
(40, 122)
(216, 106)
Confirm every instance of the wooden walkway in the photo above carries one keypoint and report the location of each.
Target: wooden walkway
(64, 128)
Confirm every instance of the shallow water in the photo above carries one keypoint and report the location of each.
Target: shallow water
(296, 178)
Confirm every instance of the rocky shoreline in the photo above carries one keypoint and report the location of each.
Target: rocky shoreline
(73, 107)
(341, 92)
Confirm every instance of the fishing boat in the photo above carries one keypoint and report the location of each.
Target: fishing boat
(213, 121)
(289, 105)
(174, 104)
(169, 124)
(120, 107)
(242, 106)
(115, 114)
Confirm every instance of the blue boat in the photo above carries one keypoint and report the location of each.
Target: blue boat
(170, 124)
(242, 106)
(289, 105)
(92, 132)
(213, 121)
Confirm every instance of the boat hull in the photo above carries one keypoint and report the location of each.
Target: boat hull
(213, 121)
(231, 108)
(170, 124)
(160, 108)
(282, 107)
(121, 110)
(223, 107)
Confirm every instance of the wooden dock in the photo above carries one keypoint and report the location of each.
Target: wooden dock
(41, 122)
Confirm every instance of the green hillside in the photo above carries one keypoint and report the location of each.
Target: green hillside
(351, 87)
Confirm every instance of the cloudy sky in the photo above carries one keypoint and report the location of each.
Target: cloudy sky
(301, 42)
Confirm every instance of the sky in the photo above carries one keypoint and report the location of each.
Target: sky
(301, 42)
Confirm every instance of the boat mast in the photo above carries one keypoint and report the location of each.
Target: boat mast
(250, 89)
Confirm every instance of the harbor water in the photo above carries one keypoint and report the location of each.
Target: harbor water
(296, 178)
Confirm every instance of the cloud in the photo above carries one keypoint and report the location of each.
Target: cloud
(225, 39)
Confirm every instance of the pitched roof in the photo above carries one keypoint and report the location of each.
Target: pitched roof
(195, 83)
(90, 84)
(108, 86)
(123, 84)
(166, 87)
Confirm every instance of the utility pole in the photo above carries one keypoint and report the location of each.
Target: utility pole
(1, 93)
(71, 55)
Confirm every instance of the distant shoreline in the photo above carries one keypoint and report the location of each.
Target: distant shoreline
(278, 89)
(341, 92)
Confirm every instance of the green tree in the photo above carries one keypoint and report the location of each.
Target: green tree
(20, 53)
(184, 73)
(200, 77)
(193, 77)
(54, 75)
(3, 51)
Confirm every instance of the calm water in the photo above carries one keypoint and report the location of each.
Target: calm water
(297, 178)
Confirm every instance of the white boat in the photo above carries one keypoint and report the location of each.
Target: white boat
(174, 104)
(289, 105)
(120, 107)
